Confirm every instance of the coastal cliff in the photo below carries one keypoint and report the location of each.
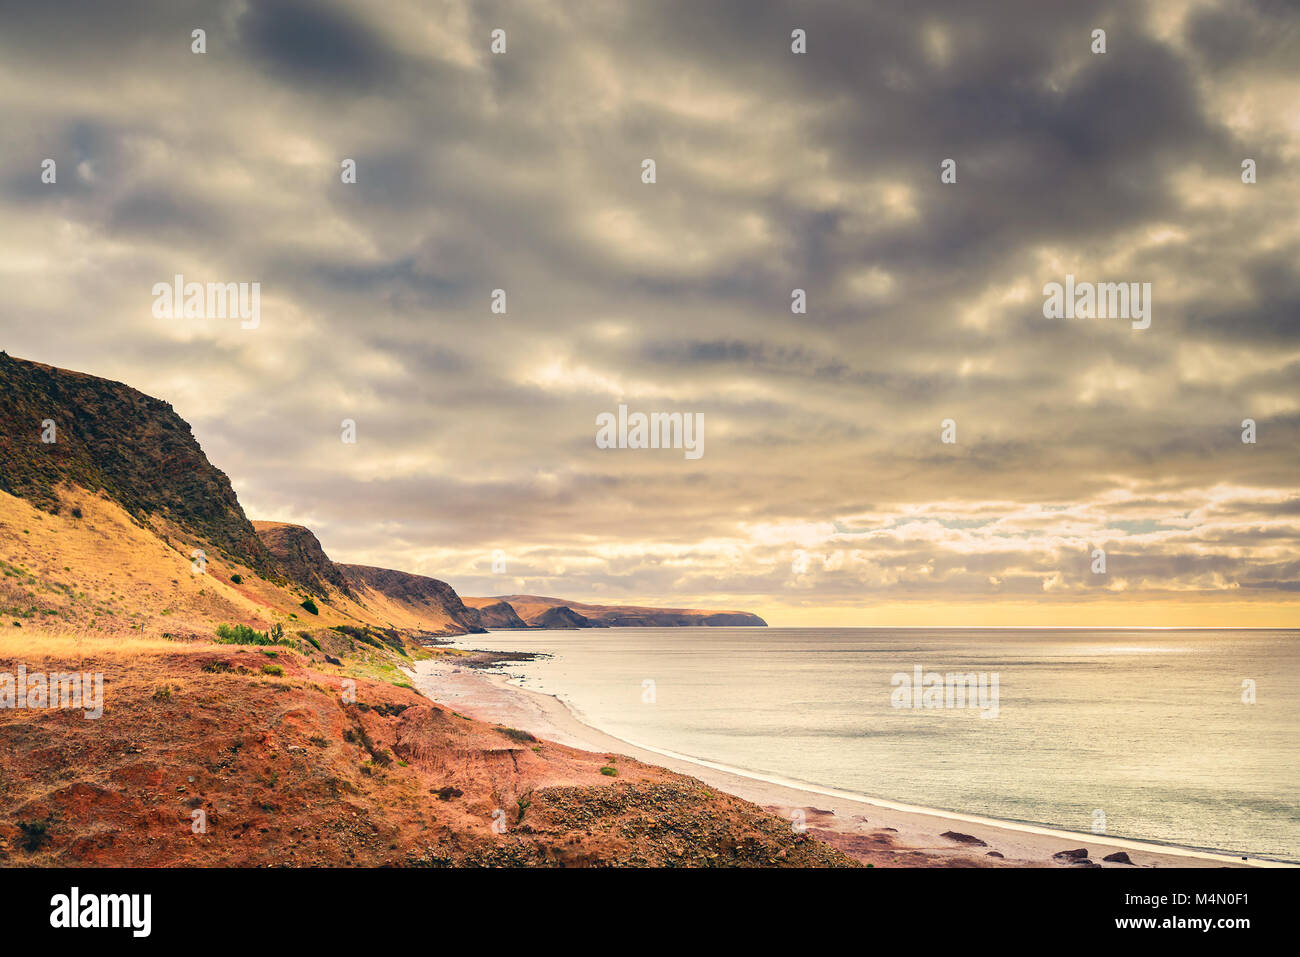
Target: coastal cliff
(535, 611)
(104, 481)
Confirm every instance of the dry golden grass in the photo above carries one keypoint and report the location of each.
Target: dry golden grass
(92, 569)
(28, 644)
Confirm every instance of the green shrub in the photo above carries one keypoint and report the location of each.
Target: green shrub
(274, 670)
(609, 772)
(514, 734)
(242, 635)
(237, 579)
(35, 833)
(310, 606)
(359, 634)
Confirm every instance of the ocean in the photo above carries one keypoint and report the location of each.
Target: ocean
(1179, 736)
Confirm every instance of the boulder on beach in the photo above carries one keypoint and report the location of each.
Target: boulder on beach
(994, 854)
(1078, 854)
(966, 839)
(1119, 857)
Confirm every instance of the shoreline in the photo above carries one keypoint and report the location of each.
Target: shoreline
(847, 820)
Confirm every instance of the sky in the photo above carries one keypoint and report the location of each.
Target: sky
(825, 494)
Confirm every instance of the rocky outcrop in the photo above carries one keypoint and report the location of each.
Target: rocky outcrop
(300, 554)
(433, 604)
(1073, 857)
(493, 614)
(113, 439)
(559, 616)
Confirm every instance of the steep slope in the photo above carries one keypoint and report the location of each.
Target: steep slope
(98, 528)
(109, 437)
(93, 569)
(97, 479)
(411, 601)
(300, 554)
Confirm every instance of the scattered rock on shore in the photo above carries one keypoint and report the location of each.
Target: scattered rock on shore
(1078, 854)
(1119, 857)
(969, 839)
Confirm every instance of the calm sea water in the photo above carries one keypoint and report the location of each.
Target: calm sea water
(1146, 727)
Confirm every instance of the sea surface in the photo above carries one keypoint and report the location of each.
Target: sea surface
(1143, 733)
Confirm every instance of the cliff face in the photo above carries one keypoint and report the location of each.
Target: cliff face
(111, 438)
(300, 554)
(128, 462)
(494, 614)
(417, 600)
(124, 485)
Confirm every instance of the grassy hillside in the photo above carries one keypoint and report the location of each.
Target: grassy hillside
(135, 449)
(99, 528)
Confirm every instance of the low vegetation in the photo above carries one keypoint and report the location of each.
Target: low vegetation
(242, 635)
(35, 834)
(514, 734)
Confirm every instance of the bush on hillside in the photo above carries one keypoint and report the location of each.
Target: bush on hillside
(242, 635)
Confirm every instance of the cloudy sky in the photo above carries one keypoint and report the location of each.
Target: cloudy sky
(825, 494)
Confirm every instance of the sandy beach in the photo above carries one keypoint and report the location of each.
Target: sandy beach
(857, 825)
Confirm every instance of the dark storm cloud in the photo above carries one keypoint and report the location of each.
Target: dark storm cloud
(156, 213)
(1272, 314)
(317, 44)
